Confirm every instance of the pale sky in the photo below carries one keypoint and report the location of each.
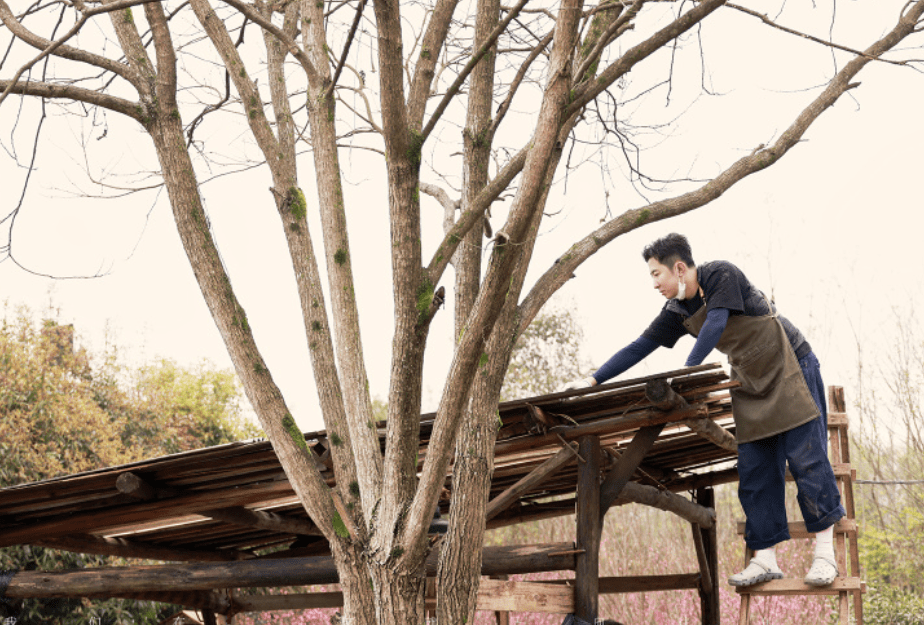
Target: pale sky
(832, 231)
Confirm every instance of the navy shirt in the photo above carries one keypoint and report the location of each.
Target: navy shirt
(724, 286)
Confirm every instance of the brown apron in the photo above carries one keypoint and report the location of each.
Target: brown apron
(773, 396)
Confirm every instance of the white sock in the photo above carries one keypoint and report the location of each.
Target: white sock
(824, 544)
(767, 557)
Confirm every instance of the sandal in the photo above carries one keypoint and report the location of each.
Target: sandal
(755, 573)
(822, 573)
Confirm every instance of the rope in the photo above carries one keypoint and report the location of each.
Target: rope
(888, 482)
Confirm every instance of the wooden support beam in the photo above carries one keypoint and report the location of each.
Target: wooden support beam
(536, 476)
(91, 521)
(709, 595)
(589, 529)
(123, 548)
(670, 502)
(712, 432)
(621, 473)
(117, 581)
(263, 520)
(663, 397)
(217, 602)
(493, 595)
(137, 487)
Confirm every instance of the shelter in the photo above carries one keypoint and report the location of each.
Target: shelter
(226, 517)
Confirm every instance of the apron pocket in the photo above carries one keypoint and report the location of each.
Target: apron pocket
(758, 370)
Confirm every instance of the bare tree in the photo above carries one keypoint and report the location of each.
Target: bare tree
(560, 62)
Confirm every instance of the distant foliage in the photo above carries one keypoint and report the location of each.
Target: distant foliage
(546, 355)
(61, 414)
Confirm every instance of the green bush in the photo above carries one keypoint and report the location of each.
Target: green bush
(887, 605)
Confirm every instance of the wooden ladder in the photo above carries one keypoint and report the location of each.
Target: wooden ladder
(845, 532)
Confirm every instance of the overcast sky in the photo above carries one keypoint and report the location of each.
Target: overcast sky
(833, 231)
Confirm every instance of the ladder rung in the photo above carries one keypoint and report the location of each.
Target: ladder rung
(795, 586)
(837, 420)
(797, 528)
(841, 469)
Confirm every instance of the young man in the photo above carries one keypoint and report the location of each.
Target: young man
(780, 410)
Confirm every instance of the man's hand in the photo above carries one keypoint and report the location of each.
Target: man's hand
(574, 385)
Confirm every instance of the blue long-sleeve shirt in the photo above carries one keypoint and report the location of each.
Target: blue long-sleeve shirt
(642, 347)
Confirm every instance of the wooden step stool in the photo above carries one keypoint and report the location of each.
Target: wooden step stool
(845, 533)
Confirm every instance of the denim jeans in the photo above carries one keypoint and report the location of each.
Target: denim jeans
(762, 474)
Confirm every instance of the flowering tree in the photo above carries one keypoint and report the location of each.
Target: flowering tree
(172, 66)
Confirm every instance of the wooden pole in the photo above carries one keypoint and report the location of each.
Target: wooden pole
(709, 597)
(589, 527)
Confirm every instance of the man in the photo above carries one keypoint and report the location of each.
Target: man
(780, 410)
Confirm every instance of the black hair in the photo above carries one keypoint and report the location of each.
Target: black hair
(669, 249)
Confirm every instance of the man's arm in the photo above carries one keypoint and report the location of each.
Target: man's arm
(709, 335)
(627, 357)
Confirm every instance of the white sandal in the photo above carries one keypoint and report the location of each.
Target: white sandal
(822, 573)
(755, 573)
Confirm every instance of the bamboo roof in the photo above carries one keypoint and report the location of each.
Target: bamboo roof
(233, 501)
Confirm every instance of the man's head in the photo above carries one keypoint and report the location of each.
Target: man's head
(671, 266)
(669, 249)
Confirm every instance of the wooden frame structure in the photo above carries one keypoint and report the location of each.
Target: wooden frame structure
(227, 518)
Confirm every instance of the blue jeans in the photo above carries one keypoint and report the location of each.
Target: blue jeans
(762, 474)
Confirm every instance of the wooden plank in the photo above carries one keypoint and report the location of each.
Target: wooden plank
(797, 528)
(493, 595)
(536, 477)
(648, 583)
(795, 586)
(510, 596)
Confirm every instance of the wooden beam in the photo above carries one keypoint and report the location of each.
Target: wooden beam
(123, 548)
(621, 473)
(709, 597)
(663, 397)
(98, 522)
(643, 583)
(670, 502)
(117, 581)
(137, 487)
(648, 583)
(713, 432)
(200, 600)
(589, 526)
(534, 478)
(264, 521)
(493, 595)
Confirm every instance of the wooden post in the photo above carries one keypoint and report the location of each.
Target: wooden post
(709, 597)
(589, 526)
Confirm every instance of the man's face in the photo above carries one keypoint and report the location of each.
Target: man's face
(666, 280)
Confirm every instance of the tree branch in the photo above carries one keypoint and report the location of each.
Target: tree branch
(766, 20)
(457, 84)
(254, 16)
(588, 90)
(70, 92)
(760, 159)
(433, 41)
(58, 48)
(346, 49)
